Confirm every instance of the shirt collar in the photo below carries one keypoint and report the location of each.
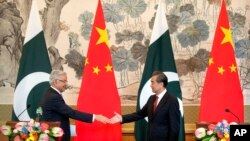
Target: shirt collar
(161, 94)
(56, 90)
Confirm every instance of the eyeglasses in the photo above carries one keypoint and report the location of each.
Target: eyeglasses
(64, 81)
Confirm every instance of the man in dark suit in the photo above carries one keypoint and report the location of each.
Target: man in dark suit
(55, 109)
(162, 110)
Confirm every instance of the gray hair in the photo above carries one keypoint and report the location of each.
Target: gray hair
(55, 75)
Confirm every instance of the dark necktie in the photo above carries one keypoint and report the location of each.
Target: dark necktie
(156, 101)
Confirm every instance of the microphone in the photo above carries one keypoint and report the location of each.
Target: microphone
(28, 106)
(228, 111)
(39, 113)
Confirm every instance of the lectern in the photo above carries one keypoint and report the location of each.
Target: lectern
(203, 124)
(51, 124)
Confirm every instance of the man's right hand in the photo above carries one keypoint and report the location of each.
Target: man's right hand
(116, 118)
(102, 119)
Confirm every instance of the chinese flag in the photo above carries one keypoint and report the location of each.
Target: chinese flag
(222, 95)
(98, 92)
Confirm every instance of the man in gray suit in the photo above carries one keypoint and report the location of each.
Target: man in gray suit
(55, 109)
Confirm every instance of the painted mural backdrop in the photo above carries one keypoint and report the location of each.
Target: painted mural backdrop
(67, 25)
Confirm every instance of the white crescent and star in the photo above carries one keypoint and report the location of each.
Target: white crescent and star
(22, 92)
(145, 92)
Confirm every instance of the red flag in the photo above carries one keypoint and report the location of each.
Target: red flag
(98, 92)
(222, 88)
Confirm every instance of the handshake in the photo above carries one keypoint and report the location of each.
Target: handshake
(117, 118)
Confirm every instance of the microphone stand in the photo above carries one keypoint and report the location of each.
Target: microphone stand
(228, 111)
(28, 106)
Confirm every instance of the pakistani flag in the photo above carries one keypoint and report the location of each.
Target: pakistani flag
(159, 58)
(34, 69)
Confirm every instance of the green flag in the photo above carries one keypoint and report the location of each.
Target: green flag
(159, 58)
(34, 69)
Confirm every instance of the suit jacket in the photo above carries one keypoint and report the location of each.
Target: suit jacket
(55, 109)
(164, 123)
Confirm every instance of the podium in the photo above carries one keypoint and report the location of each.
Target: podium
(51, 124)
(13, 123)
(206, 124)
(203, 124)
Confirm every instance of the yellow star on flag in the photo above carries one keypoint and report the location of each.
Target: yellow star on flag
(221, 70)
(96, 70)
(227, 37)
(108, 68)
(103, 36)
(233, 68)
(211, 61)
(86, 61)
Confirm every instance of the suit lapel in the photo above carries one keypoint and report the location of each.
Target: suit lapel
(150, 107)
